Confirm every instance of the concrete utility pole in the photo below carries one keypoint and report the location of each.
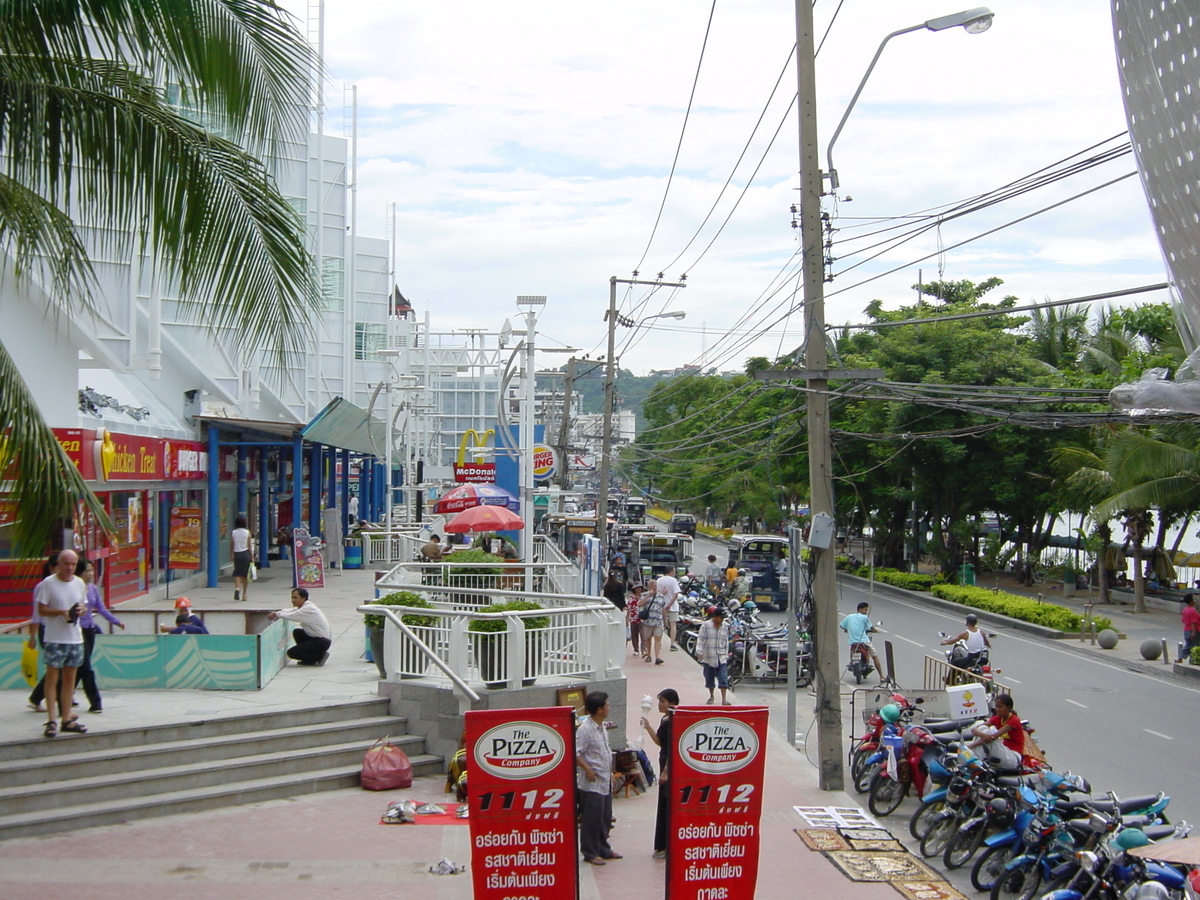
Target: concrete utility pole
(564, 433)
(610, 377)
(816, 361)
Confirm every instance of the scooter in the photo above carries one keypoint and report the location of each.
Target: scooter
(978, 664)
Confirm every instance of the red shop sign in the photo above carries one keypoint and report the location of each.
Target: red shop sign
(79, 445)
(475, 473)
(184, 460)
(522, 803)
(716, 779)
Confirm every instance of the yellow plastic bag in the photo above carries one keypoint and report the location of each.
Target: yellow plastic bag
(29, 663)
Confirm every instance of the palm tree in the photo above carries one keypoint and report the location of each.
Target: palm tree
(93, 156)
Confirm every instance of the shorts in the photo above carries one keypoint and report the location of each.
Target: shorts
(673, 615)
(651, 631)
(63, 656)
(718, 674)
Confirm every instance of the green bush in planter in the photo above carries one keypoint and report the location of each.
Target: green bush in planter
(402, 598)
(1195, 656)
(1017, 607)
(493, 625)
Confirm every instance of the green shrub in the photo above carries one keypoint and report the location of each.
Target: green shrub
(909, 581)
(493, 625)
(402, 598)
(1017, 607)
(473, 562)
(1195, 657)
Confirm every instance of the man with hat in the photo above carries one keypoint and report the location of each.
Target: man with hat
(185, 616)
(712, 649)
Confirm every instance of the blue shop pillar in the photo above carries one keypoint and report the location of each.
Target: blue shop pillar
(212, 522)
(264, 511)
(314, 489)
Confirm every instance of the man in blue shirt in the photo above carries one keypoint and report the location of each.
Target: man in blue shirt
(185, 625)
(859, 629)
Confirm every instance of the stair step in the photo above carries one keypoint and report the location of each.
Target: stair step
(82, 759)
(36, 747)
(163, 782)
(192, 799)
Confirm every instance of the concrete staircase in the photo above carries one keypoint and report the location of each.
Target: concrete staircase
(107, 777)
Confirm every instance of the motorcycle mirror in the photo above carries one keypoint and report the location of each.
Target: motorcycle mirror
(919, 700)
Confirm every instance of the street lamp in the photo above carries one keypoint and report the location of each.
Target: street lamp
(972, 21)
(531, 305)
(817, 374)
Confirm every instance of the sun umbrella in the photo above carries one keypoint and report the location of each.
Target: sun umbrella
(466, 496)
(485, 518)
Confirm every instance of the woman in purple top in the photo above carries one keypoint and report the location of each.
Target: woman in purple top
(87, 622)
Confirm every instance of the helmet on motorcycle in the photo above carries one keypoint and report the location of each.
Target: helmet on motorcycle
(1151, 890)
(711, 611)
(749, 605)
(890, 713)
(972, 619)
(1131, 839)
(693, 593)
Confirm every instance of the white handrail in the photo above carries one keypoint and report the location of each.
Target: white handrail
(421, 646)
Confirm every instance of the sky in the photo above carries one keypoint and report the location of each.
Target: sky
(527, 145)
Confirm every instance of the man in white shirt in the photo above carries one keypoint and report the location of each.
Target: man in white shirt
(668, 590)
(313, 637)
(60, 600)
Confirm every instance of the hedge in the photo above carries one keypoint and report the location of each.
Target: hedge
(1017, 607)
(909, 581)
(1195, 657)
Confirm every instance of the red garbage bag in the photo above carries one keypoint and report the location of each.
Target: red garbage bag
(386, 767)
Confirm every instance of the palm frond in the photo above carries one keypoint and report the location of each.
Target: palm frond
(42, 482)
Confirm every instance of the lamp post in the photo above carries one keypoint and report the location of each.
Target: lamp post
(531, 306)
(610, 375)
(816, 369)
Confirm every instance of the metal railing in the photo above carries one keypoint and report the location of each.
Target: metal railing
(940, 675)
(389, 546)
(531, 578)
(570, 637)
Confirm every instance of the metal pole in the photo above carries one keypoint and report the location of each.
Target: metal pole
(610, 375)
(527, 441)
(829, 709)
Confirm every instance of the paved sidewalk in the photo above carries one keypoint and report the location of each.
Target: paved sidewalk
(332, 845)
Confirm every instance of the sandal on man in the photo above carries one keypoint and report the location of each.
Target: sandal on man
(50, 730)
(75, 726)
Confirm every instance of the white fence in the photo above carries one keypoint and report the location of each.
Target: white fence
(570, 637)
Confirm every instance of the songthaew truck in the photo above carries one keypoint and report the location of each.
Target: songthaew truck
(657, 551)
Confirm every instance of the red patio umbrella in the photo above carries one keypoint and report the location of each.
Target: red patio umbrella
(485, 518)
(466, 496)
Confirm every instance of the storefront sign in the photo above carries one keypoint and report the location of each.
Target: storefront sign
(309, 567)
(79, 445)
(545, 462)
(112, 456)
(185, 537)
(716, 783)
(475, 473)
(522, 803)
(184, 460)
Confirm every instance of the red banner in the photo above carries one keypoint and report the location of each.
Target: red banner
(184, 460)
(184, 541)
(716, 780)
(132, 457)
(522, 803)
(475, 473)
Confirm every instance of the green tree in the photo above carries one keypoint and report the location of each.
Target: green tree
(103, 146)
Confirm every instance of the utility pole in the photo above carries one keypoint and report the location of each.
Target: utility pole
(610, 377)
(564, 433)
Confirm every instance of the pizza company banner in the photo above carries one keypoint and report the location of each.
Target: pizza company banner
(308, 565)
(522, 803)
(716, 779)
(184, 541)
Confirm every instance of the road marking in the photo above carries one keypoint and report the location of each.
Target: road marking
(1008, 680)
(1075, 703)
(908, 640)
(1165, 737)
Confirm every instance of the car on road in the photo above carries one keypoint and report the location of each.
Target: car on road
(682, 523)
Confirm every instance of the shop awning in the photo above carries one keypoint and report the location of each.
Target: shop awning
(346, 426)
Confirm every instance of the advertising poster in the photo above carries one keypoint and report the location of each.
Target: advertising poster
(716, 781)
(522, 802)
(184, 540)
(308, 566)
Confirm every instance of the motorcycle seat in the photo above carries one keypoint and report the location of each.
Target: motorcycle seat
(1014, 781)
(1127, 806)
(947, 725)
(950, 737)
(1158, 832)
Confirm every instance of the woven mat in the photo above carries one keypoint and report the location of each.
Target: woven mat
(866, 834)
(881, 865)
(823, 839)
(927, 890)
(870, 844)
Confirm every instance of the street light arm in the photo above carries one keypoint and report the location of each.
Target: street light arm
(832, 172)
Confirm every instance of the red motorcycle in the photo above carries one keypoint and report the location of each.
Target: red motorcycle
(908, 754)
(868, 745)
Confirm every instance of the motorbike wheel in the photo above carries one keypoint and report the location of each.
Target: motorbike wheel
(862, 783)
(858, 760)
(918, 825)
(858, 674)
(938, 834)
(1018, 884)
(963, 844)
(804, 677)
(990, 864)
(886, 794)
